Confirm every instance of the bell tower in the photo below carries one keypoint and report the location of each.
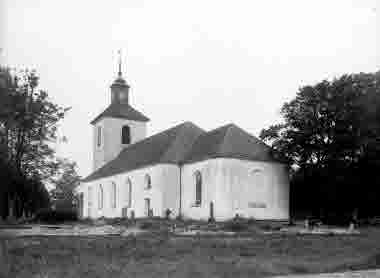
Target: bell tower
(119, 125)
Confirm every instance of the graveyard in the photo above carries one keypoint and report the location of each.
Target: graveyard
(170, 248)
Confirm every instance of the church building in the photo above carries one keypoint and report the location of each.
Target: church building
(186, 170)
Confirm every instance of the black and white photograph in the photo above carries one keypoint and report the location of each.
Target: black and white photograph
(204, 138)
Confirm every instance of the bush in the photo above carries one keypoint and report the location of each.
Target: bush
(55, 216)
(338, 219)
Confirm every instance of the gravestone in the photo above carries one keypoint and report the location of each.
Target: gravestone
(211, 218)
(150, 213)
(124, 212)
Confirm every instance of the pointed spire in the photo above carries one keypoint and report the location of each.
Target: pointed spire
(119, 53)
(119, 87)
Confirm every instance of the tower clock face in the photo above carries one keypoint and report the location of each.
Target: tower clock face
(121, 96)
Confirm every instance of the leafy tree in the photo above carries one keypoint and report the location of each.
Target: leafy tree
(29, 120)
(331, 137)
(28, 124)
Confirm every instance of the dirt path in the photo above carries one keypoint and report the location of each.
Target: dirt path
(77, 230)
(375, 273)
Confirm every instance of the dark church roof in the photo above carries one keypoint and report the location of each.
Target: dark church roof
(229, 141)
(186, 143)
(169, 146)
(123, 111)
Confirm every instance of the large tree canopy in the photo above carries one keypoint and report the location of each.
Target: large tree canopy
(331, 138)
(28, 126)
(28, 120)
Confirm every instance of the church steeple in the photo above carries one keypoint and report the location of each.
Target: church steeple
(119, 73)
(120, 88)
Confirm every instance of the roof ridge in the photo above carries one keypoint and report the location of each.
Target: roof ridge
(152, 136)
(181, 131)
(256, 139)
(226, 132)
(180, 127)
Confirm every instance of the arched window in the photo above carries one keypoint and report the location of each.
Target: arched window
(256, 191)
(100, 197)
(198, 188)
(113, 195)
(125, 135)
(148, 182)
(99, 136)
(257, 177)
(128, 195)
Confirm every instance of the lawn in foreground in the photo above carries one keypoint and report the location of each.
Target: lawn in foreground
(162, 255)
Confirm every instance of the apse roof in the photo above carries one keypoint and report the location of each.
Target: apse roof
(229, 141)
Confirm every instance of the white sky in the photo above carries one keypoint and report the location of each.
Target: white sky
(209, 62)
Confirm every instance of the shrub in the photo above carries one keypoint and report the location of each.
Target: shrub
(55, 216)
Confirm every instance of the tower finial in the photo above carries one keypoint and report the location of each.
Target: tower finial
(119, 52)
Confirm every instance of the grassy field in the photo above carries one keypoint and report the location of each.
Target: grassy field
(163, 255)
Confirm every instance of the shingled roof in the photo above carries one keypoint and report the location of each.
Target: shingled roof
(186, 143)
(123, 111)
(229, 141)
(169, 146)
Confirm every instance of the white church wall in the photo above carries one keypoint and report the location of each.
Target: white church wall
(211, 178)
(164, 177)
(111, 138)
(248, 188)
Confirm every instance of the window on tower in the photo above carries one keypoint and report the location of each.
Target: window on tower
(125, 135)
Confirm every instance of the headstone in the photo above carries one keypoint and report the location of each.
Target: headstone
(167, 213)
(237, 217)
(351, 228)
(307, 226)
(124, 212)
(212, 218)
(11, 217)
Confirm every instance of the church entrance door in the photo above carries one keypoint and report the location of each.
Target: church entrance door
(147, 207)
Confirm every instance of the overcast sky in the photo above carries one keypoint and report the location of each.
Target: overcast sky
(209, 62)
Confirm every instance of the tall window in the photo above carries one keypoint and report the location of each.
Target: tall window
(99, 136)
(125, 135)
(256, 192)
(113, 195)
(128, 195)
(198, 188)
(100, 197)
(148, 182)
